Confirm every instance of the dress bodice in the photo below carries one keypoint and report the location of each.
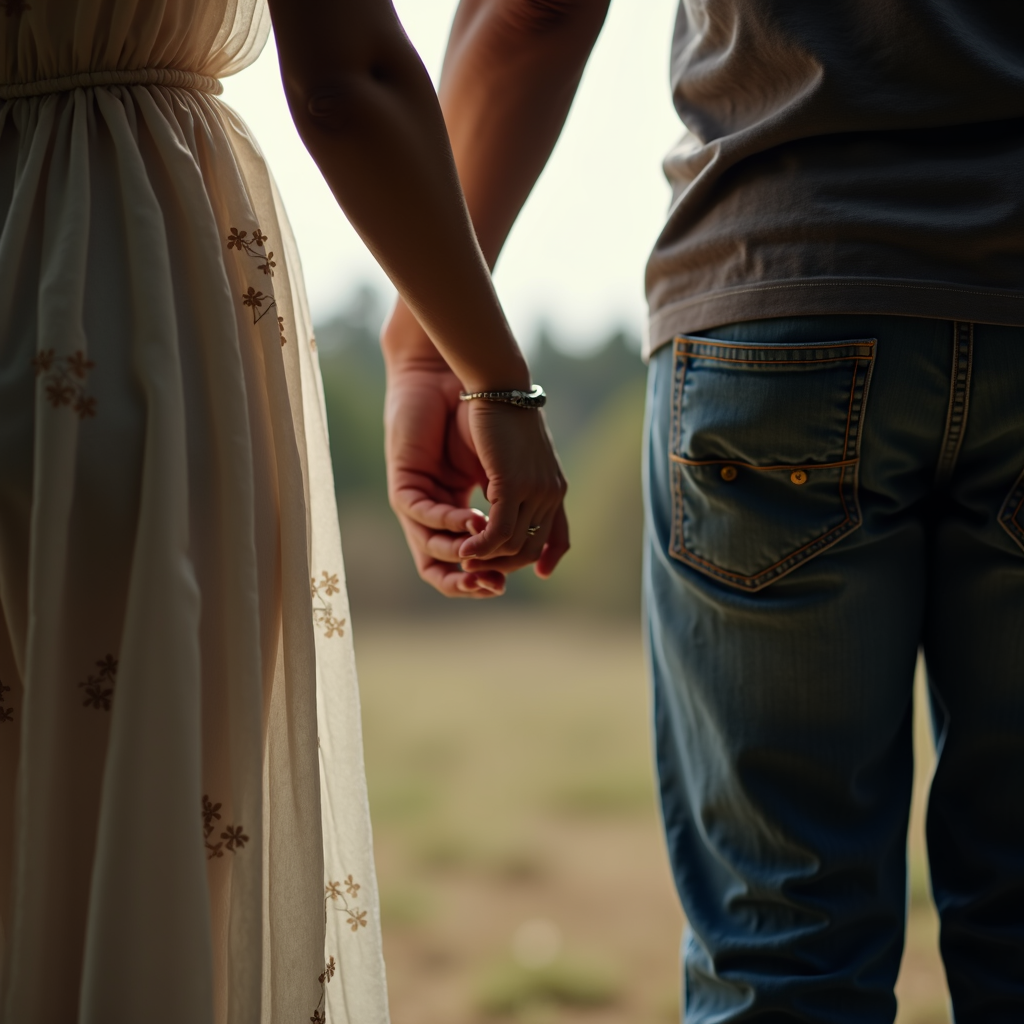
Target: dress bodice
(49, 39)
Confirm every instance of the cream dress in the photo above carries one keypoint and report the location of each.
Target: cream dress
(184, 833)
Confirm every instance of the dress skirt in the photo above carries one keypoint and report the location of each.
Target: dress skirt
(184, 831)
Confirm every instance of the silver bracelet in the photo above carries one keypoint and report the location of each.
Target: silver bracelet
(532, 399)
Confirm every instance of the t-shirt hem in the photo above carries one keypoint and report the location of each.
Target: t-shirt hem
(832, 296)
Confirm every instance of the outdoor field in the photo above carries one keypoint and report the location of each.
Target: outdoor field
(521, 865)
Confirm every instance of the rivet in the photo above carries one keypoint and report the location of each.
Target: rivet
(728, 473)
(798, 476)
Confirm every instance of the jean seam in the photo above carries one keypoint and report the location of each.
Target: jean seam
(860, 381)
(1008, 514)
(959, 401)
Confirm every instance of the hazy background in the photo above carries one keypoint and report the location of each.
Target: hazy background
(522, 870)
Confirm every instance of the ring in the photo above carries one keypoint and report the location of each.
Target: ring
(533, 530)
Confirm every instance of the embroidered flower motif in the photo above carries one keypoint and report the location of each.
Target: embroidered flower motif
(323, 610)
(99, 688)
(356, 918)
(96, 696)
(352, 887)
(211, 813)
(334, 889)
(312, 343)
(235, 838)
(42, 361)
(329, 969)
(280, 327)
(318, 1018)
(65, 380)
(78, 364)
(253, 298)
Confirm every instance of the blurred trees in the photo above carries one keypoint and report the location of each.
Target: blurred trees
(595, 411)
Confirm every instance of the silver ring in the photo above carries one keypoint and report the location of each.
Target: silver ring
(533, 530)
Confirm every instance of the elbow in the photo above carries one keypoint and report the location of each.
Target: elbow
(341, 102)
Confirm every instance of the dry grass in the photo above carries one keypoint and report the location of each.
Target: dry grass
(521, 864)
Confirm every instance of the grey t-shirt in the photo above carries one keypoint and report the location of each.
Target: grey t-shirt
(844, 156)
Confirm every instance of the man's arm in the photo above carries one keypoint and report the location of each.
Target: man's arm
(510, 74)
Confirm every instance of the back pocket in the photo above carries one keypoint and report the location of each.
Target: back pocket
(765, 446)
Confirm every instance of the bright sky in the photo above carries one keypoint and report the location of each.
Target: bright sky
(576, 255)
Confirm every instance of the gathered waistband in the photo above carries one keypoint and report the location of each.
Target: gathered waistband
(172, 77)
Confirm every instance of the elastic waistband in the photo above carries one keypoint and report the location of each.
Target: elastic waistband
(172, 77)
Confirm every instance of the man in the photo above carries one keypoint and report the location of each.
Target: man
(833, 470)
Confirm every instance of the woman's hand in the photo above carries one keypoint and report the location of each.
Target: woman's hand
(438, 449)
(524, 484)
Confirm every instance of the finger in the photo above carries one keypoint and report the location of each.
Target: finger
(496, 535)
(425, 509)
(447, 578)
(557, 545)
(453, 582)
(523, 549)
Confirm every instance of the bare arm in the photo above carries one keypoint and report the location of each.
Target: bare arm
(365, 108)
(510, 74)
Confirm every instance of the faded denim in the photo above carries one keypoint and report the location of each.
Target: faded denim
(824, 496)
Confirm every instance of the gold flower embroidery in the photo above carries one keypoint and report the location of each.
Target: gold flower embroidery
(280, 327)
(255, 248)
(329, 969)
(356, 920)
(99, 688)
(64, 378)
(323, 611)
(233, 838)
(253, 298)
(6, 714)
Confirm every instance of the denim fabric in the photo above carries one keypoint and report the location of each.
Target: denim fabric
(825, 495)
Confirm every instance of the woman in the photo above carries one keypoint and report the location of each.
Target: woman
(182, 804)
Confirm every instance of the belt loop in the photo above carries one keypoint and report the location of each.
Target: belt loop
(959, 400)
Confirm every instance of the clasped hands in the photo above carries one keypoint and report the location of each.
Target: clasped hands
(439, 449)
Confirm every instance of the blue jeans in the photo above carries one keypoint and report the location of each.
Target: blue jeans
(824, 496)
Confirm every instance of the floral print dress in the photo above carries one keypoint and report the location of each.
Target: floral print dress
(184, 833)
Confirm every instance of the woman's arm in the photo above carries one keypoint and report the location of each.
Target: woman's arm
(365, 108)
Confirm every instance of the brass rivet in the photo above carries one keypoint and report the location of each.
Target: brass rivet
(798, 476)
(728, 473)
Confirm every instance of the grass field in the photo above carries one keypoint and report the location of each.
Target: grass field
(521, 864)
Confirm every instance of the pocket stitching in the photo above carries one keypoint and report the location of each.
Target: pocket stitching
(851, 441)
(1007, 518)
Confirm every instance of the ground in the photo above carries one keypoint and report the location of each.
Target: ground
(522, 873)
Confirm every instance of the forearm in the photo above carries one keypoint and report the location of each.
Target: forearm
(365, 109)
(510, 74)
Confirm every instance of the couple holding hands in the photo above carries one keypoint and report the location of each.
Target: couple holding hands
(832, 477)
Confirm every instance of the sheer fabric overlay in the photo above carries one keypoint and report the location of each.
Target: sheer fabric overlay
(184, 831)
